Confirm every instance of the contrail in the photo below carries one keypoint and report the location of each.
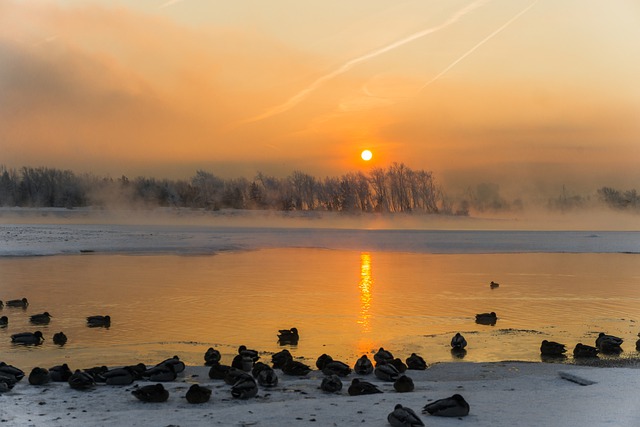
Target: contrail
(483, 41)
(296, 99)
(169, 3)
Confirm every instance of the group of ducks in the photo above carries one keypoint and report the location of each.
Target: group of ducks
(604, 344)
(36, 338)
(246, 374)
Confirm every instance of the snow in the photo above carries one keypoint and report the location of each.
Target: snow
(500, 394)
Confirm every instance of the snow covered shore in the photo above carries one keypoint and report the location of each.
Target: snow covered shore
(499, 393)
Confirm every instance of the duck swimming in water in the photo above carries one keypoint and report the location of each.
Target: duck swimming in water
(584, 351)
(41, 318)
(458, 341)
(151, 393)
(59, 338)
(28, 338)
(404, 417)
(454, 406)
(21, 303)
(486, 318)
(552, 348)
(288, 336)
(609, 344)
(99, 321)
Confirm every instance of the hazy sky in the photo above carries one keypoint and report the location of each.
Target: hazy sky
(532, 93)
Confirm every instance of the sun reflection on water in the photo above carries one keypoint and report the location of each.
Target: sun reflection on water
(365, 285)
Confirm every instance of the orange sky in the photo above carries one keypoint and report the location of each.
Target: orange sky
(524, 93)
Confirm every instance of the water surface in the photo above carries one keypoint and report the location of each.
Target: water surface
(344, 302)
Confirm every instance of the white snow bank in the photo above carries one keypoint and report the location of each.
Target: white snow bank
(500, 394)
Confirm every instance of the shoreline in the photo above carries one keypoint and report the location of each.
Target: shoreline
(499, 393)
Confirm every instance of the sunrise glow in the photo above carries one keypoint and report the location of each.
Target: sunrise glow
(366, 155)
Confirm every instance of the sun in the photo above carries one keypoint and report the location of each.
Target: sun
(366, 155)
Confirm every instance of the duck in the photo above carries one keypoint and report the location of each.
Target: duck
(28, 338)
(234, 375)
(177, 364)
(363, 366)
(60, 373)
(99, 321)
(12, 371)
(198, 394)
(486, 318)
(552, 348)
(41, 318)
(267, 377)
(59, 338)
(458, 341)
(151, 393)
(288, 336)
(97, 372)
(218, 371)
(416, 362)
(584, 351)
(294, 367)
(383, 356)
(323, 360)
(242, 361)
(253, 354)
(4, 321)
(609, 344)
(21, 303)
(7, 382)
(386, 372)
(454, 406)
(120, 376)
(494, 285)
(244, 388)
(212, 356)
(39, 376)
(160, 373)
(137, 370)
(258, 367)
(404, 417)
(331, 384)
(359, 388)
(399, 365)
(403, 384)
(80, 380)
(279, 359)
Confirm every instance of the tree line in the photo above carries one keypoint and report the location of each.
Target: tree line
(394, 189)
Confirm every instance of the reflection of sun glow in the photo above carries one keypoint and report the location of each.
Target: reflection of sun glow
(365, 285)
